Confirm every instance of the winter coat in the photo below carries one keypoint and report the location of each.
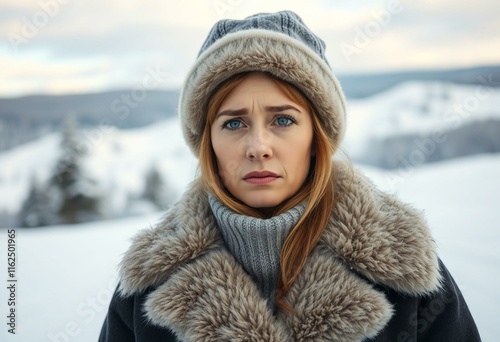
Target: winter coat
(373, 276)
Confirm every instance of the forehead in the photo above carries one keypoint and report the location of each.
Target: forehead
(256, 85)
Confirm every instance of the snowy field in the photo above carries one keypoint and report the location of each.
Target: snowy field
(67, 274)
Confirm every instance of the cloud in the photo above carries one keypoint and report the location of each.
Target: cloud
(416, 37)
(121, 39)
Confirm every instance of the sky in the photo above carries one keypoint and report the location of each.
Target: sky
(77, 46)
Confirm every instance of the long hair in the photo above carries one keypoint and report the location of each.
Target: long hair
(317, 190)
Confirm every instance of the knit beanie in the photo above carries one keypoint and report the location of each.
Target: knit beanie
(276, 43)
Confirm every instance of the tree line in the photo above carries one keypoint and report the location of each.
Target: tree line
(71, 195)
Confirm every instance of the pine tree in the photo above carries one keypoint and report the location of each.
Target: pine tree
(78, 200)
(156, 190)
(38, 208)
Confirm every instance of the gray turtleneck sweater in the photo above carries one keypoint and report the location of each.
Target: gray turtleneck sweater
(256, 243)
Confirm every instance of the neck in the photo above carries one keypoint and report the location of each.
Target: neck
(256, 243)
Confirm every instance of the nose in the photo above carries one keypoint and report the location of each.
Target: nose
(259, 145)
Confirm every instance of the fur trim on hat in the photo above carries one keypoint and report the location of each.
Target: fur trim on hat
(267, 51)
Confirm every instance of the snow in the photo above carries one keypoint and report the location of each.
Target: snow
(19, 164)
(417, 107)
(460, 200)
(116, 159)
(66, 274)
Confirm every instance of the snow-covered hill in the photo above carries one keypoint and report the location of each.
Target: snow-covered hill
(413, 115)
(117, 160)
(399, 126)
(422, 106)
(66, 274)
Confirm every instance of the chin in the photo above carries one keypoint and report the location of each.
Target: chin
(259, 202)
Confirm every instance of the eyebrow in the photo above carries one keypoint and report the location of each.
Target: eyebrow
(244, 111)
(282, 108)
(233, 112)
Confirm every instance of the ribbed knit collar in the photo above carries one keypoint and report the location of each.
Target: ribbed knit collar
(256, 243)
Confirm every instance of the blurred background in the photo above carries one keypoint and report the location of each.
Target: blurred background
(91, 149)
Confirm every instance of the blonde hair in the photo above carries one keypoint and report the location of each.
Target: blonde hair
(317, 189)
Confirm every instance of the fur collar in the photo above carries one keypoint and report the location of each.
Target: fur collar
(203, 294)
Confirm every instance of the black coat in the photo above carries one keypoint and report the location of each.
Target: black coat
(444, 316)
(373, 276)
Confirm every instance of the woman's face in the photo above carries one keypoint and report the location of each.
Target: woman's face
(262, 141)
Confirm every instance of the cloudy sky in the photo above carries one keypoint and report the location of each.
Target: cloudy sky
(73, 46)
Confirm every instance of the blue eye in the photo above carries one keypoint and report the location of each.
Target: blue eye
(232, 124)
(284, 121)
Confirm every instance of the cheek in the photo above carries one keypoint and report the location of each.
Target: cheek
(302, 157)
(222, 173)
(227, 171)
(301, 149)
(227, 164)
(218, 148)
(229, 154)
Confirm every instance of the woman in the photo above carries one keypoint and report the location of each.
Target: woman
(274, 241)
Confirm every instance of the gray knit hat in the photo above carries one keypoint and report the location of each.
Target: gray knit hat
(277, 43)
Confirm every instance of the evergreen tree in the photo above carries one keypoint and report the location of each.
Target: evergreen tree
(78, 199)
(38, 208)
(156, 190)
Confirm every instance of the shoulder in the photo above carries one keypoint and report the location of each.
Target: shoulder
(441, 315)
(380, 236)
(126, 321)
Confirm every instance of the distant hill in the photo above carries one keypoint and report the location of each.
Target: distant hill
(357, 86)
(410, 150)
(26, 118)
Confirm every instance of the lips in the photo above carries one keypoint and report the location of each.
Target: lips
(260, 177)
